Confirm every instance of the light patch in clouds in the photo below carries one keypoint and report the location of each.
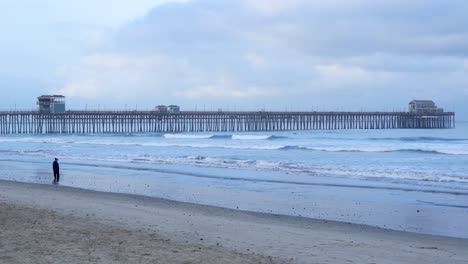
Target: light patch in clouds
(272, 7)
(111, 75)
(466, 75)
(225, 90)
(256, 61)
(404, 64)
(111, 13)
(340, 76)
(129, 76)
(121, 62)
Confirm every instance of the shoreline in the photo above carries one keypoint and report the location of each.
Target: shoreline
(378, 186)
(436, 213)
(262, 236)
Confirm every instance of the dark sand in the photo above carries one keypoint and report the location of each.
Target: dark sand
(56, 224)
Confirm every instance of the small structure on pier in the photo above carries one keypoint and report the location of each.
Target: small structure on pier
(424, 106)
(161, 108)
(51, 104)
(174, 109)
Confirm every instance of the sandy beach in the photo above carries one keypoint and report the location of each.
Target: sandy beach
(56, 224)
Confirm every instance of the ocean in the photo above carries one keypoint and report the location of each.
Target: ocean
(300, 173)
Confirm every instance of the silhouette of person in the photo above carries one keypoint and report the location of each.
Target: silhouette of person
(55, 167)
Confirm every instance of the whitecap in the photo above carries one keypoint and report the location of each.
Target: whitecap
(251, 137)
(186, 136)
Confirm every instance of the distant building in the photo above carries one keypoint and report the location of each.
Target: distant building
(174, 109)
(51, 104)
(424, 106)
(161, 108)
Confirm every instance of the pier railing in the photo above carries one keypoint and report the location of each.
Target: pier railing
(32, 122)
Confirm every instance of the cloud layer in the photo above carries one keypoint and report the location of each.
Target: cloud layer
(300, 53)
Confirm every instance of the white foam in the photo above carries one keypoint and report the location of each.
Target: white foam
(369, 149)
(251, 137)
(186, 136)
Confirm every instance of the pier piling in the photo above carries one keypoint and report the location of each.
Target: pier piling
(93, 122)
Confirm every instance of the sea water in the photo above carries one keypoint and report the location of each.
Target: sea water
(269, 168)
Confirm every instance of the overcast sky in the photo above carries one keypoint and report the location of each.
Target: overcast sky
(235, 54)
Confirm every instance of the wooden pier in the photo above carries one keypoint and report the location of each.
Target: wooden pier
(90, 122)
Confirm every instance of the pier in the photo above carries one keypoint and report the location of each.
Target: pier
(90, 122)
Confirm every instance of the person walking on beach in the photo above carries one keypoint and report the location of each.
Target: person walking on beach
(55, 167)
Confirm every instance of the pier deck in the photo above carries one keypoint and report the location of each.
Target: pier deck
(32, 122)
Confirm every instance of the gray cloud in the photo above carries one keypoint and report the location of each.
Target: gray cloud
(281, 53)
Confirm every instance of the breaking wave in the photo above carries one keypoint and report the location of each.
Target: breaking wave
(377, 150)
(252, 137)
(420, 139)
(187, 136)
(221, 136)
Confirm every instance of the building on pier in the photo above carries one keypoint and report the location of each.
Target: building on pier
(161, 108)
(424, 106)
(51, 104)
(174, 109)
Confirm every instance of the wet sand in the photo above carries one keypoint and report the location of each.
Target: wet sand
(385, 206)
(57, 224)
